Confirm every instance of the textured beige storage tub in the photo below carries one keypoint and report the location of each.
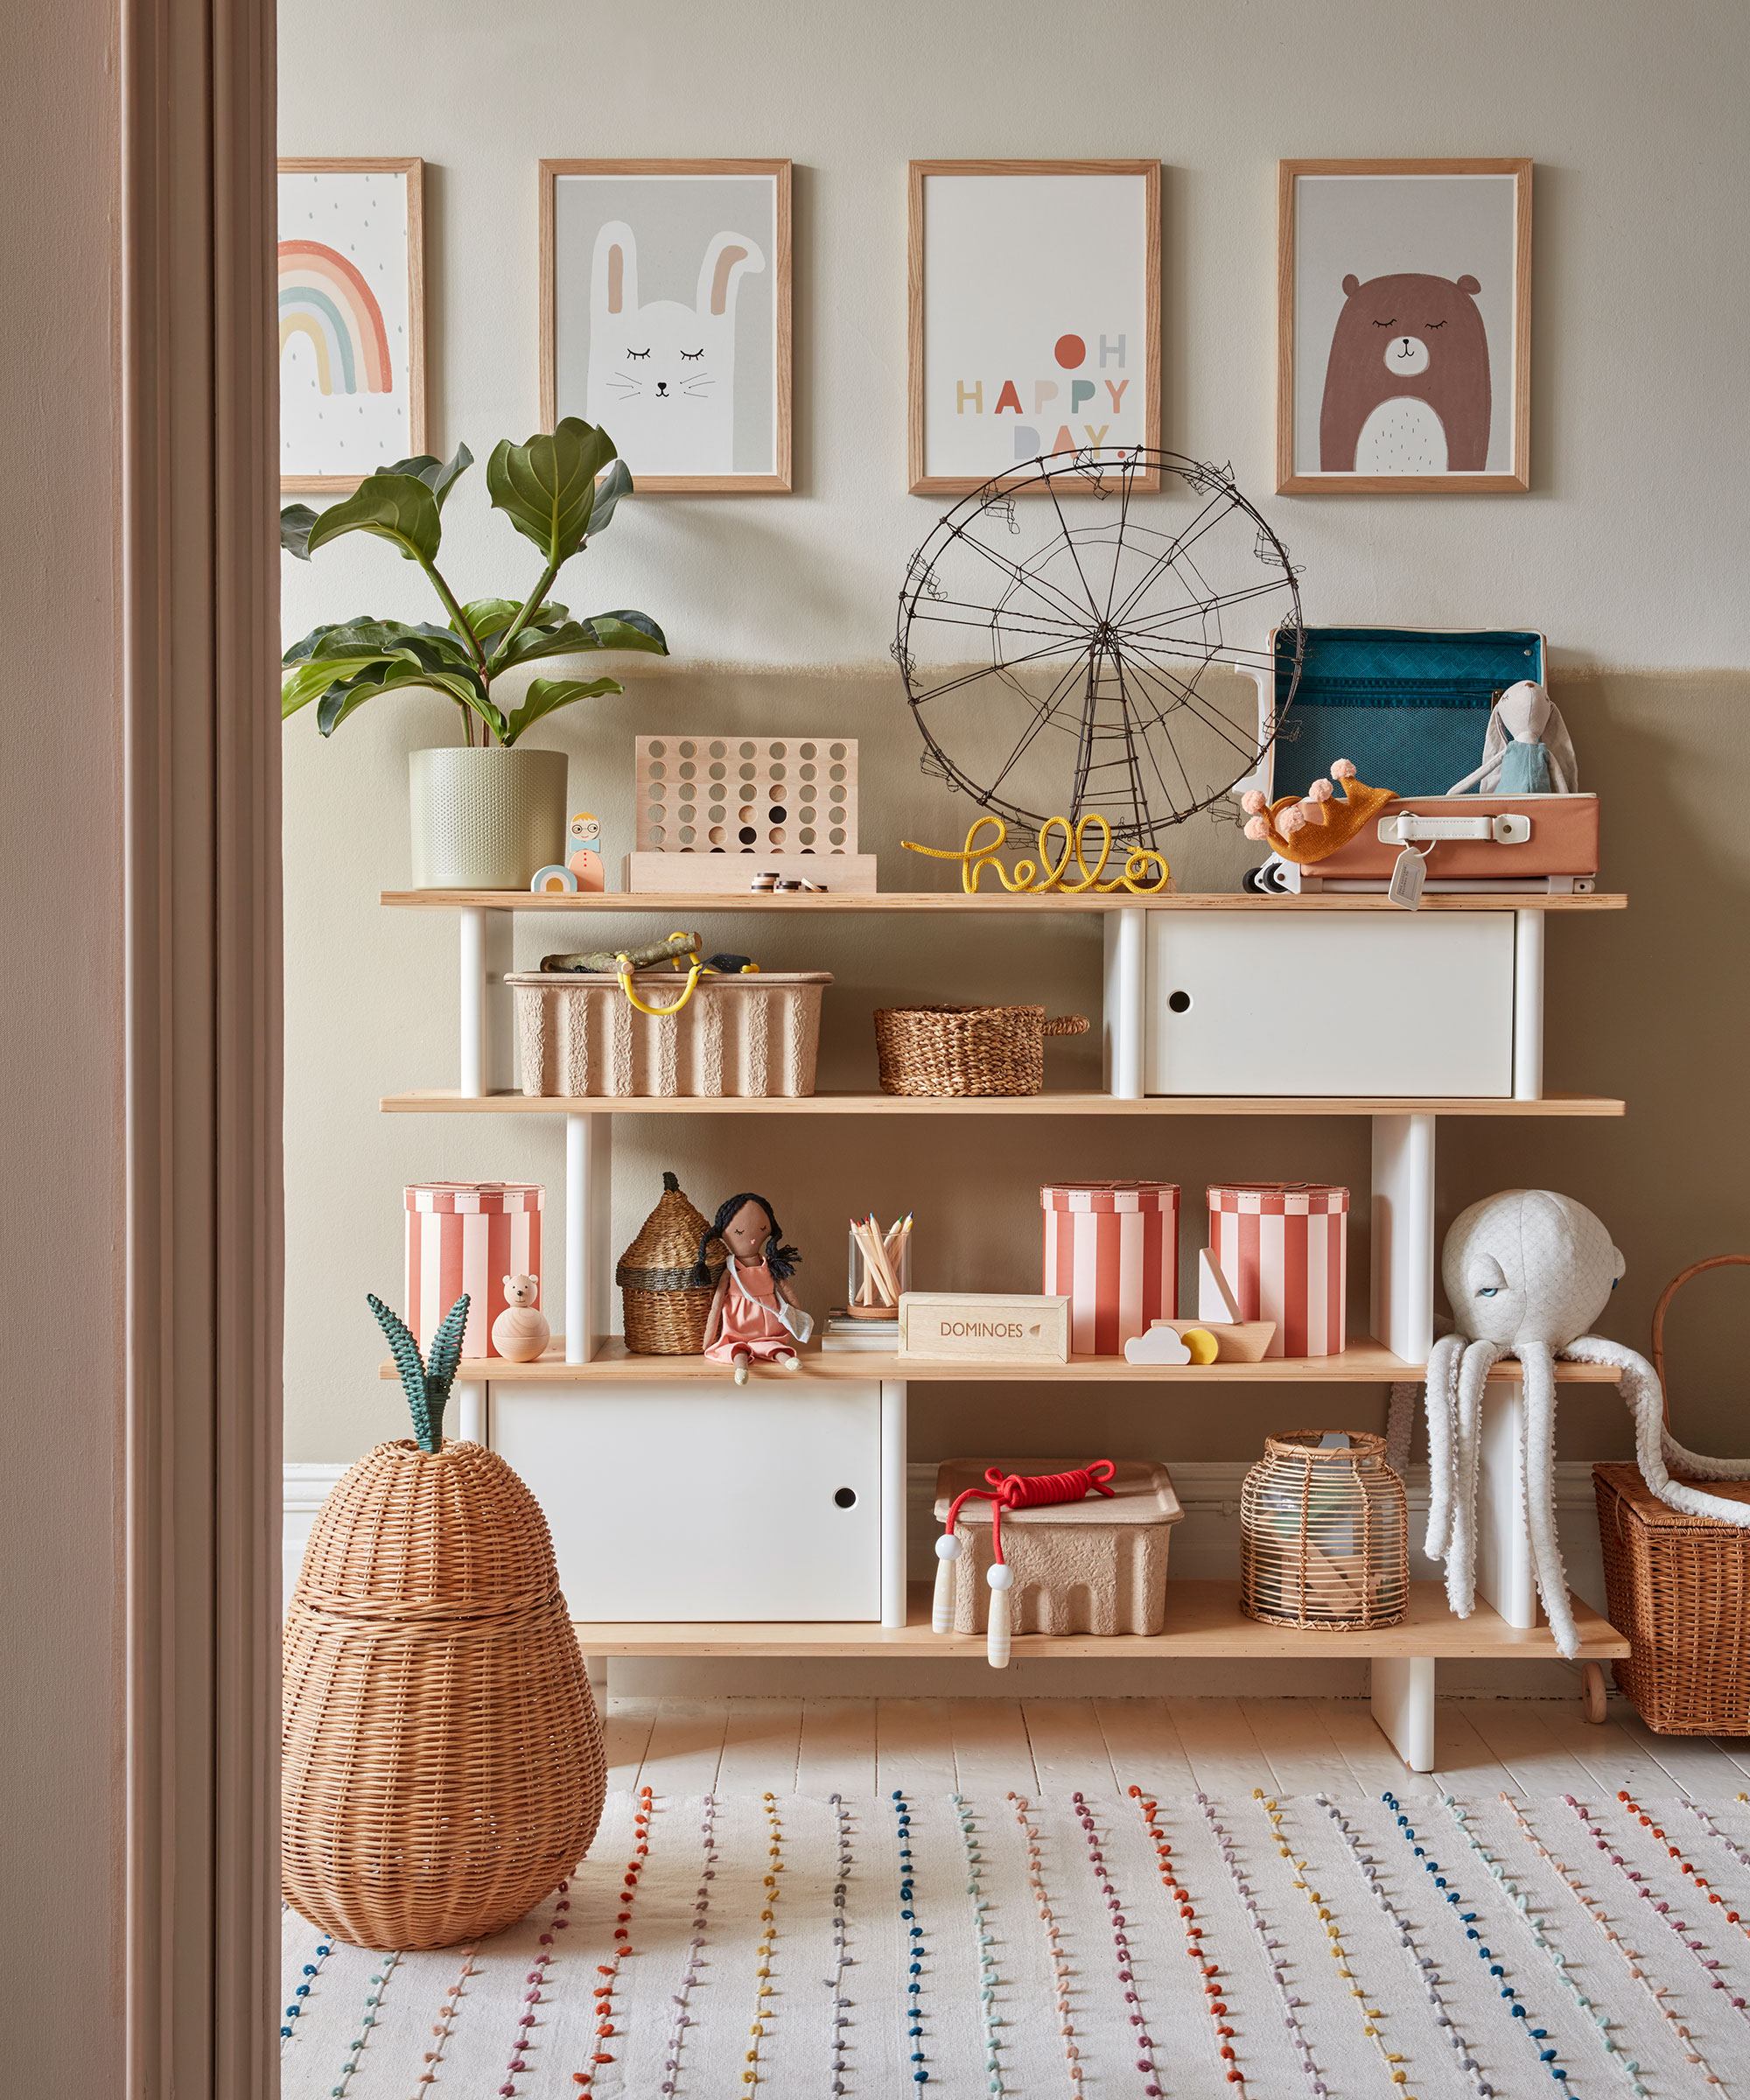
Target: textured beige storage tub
(756, 1036)
(1096, 1566)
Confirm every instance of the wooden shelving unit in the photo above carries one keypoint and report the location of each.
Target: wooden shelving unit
(1203, 1617)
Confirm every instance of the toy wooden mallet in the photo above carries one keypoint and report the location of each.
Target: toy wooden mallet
(1012, 1491)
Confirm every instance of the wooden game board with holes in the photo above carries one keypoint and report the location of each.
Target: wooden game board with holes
(738, 806)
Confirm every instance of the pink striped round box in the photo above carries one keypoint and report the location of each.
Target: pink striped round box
(1112, 1247)
(468, 1236)
(1283, 1246)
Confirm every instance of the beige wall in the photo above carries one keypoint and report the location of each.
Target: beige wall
(1629, 553)
(61, 1131)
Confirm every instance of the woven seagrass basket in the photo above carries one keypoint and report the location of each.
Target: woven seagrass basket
(1324, 1535)
(943, 1050)
(665, 1310)
(1678, 1586)
(442, 1766)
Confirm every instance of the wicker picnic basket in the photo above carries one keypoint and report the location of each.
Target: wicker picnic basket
(442, 1761)
(665, 1310)
(1324, 1534)
(1678, 1586)
(966, 1049)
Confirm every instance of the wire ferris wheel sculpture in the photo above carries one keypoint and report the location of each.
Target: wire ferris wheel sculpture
(1108, 634)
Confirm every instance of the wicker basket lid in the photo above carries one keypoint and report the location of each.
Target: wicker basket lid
(1625, 1481)
(666, 1252)
(408, 1533)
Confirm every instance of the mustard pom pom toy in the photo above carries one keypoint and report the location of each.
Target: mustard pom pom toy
(1306, 828)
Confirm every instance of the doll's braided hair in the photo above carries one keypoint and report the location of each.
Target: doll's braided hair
(780, 1259)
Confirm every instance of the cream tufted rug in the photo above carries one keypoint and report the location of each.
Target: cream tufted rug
(989, 1945)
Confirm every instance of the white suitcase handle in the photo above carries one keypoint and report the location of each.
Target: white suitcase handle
(1407, 828)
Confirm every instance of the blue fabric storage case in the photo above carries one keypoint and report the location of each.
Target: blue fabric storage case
(1409, 705)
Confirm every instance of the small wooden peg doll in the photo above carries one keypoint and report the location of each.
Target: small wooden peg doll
(585, 860)
(753, 1318)
(519, 1332)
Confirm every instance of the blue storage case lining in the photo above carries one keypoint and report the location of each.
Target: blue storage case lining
(1409, 707)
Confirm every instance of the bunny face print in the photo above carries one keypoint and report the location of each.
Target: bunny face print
(663, 375)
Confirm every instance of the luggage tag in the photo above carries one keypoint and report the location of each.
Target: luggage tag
(1408, 876)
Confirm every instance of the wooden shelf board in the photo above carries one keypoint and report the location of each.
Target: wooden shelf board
(1202, 1619)
(987, 900)
(1364, 1362)
(445, 1100)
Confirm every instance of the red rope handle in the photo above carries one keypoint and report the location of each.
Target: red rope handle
(1032, 1491)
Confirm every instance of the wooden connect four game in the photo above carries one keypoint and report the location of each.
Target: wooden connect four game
(770, 798)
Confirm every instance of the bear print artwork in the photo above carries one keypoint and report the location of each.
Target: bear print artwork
(1407, 386)
(662, 376)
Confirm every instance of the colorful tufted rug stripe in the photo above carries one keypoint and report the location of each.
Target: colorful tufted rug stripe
(798, 1949)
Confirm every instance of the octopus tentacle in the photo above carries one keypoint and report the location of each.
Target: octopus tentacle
(1400, 1423)
(1538, 1365)
(1655, 1447)
(1479, 1358)
(1443, 1380)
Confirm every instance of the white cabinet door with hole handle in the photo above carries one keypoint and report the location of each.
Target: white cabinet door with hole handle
(1397, 1004)
(696, 1501)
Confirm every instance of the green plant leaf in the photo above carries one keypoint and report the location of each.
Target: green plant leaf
(311, 680)
(545, 696)
(435, 645)
(439, 476)
(397, 507)
(394, 676)
(547, 487)
(295, 522)
(491, 616)
(614, 484)
(601, 631)
(406, 1352)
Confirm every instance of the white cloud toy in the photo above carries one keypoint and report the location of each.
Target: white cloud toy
(1159, 1344)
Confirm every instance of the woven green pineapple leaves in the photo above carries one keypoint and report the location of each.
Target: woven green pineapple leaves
(427, 1386)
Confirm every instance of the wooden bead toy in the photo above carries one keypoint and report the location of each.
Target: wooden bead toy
(521, 1332)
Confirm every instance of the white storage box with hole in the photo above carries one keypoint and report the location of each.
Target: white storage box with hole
(676, 1502)
(1384, 1004)
(752, 1037)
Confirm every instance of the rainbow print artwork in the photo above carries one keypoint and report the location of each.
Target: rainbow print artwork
(323, 298)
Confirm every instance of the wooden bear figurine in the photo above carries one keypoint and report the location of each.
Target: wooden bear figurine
(520, 1332)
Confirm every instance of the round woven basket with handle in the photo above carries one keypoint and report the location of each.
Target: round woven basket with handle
(665, 1310)
(1324, 1534)
(944, 1050)
(442, 1766)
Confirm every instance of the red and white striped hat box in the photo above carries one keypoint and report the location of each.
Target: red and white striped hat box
(1112, 1247)
(1283, 1246)
(468, 1236)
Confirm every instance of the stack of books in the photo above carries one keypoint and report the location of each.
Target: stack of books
(842, 1332)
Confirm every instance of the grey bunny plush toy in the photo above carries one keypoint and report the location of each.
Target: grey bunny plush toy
(1526, 749)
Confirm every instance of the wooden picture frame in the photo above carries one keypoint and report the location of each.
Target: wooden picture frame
(413, 169)
(1406, 425)
(564, 396)
(1034, 346)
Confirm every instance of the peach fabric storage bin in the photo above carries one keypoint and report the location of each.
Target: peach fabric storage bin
(1283, 1248)
(467, 1235)
(1112, 1249)
(752, 1037)
(1096, 1566)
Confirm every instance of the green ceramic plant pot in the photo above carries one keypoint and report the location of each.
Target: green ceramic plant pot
(486, 820)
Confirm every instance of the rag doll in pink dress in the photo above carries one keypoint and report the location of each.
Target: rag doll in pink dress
(754, 1318)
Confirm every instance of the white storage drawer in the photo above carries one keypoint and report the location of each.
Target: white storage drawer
(696, 1501)
(1363, 1002)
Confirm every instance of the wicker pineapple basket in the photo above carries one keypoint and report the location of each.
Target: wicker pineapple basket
(442, 1765)
(1324, 1535)
(944, 1050)
(665, 1310)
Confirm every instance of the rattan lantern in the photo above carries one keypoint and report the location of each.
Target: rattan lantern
(442, 1766)
(1324, 1533)
(665, 1309)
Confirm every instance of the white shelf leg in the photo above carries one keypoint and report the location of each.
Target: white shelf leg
(589, 1228)
(1126, 955)
(486, 1049)
(1403, 1279)
(892, 1501)
(1504, 1575)
(1402, 1697)
(468, 1398)
(1527, 1005)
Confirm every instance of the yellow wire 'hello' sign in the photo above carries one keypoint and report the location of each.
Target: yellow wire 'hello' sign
(1037, 877)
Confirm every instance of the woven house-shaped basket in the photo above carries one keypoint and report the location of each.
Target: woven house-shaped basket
(442, 1766)
(665, 1310)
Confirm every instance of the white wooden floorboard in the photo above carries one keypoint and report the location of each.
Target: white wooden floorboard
(626, 1730)
(836, 1755)
(1463, 1762)
(1696, 1767)
(990, 1749)
(913, 1746)
(1297, 1746)
(1608, 1753)
(1517, 1734)
(685, 1750)
(761, 1744)
(1069, 1753)
(1144, 1745)
(1218, 1741)
(1374, 1764)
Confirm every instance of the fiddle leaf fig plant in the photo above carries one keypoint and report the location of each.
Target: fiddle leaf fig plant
(558, 491)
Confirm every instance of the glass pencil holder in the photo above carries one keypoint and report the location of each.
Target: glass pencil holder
(867, 1292)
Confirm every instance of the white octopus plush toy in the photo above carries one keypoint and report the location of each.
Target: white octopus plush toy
(1527, 1272)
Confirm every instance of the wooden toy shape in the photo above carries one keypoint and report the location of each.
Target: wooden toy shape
(757, 795)
(584, 858)
(521, 1332)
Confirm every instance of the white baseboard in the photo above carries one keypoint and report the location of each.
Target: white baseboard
(1205, 1544)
